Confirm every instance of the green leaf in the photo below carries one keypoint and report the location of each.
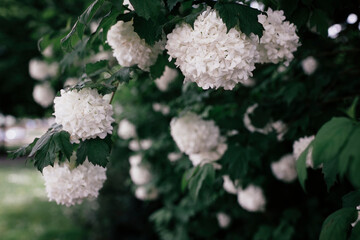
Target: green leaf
(96, 150)
(300, 16)
(89, 13)
(148, 9)
(62, 143)
(23, 151)
(355, 233)
(351, 111)
(158, 68)
(172, 3)
(337, 225)
(288, 6)
(242, 16)
(188, 174)
(123, 75)
(105, 24)
(351, 151)
(93, 69)
(148, 30)
(190, 18)
(320, 21)
(206, 173)
(351, 199)
(301, 166)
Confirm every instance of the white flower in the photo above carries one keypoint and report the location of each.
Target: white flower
(129, 49)
(139, 173)
(43, 94)
(252, 198)
(136, 145)
(358, 218)
(285, 168)
(279, 39)
(158, 107)
(126, 129)
(210, 156)
(128, 4)
(210, 55)
(168, 77)
(173, 156)
(41, 70)
(70, 82)
(194, 135)
(279, 126)
(146, 194)
(229, 186)
(48, 51)
(84, 114)
(69, 186)
(224, 220)
(300, 145)
(309, 65)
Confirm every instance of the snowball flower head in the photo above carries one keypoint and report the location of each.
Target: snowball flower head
(252, 198)
(309, 65)
(300, 145)
(210, 55)
(129, 49)
(194, 135)
(69, 186)
(126, 129)
(224, 220)
(41, 70)
(279, 40)
(146, 194)
(43, 94)
(166, 79)
(285, 168)
(84, 114)
(229, 186)
(139, 173)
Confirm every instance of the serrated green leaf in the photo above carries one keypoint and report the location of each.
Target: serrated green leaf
(45, 156)
(320, 21)
(62, 143)
(93, 69)
(301, 167)
(242, 16)
(148, 30)
(122, 76)
(351, 199)
(187, 176)
(148, 9)
(172, 3)
(206, 173)
(355, 233)
(96, 150)
(337, 225)
(23, 151)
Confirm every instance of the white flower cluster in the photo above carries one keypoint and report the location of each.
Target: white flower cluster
(224, 219)
(279, 126)
(43, 94)
(210, 55)
(309, 65)
(129, 49)
(126, 129)
(199, 139)
(84, 114)
(300, 145)
(251, 198)
(140, 174)
(166, 79)
(285, 168)
(69, 186)
(41, 70)
(279, 40)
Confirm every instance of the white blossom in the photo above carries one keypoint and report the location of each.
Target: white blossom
(230, 186)
(285, 168)
(41, 70)
(252, 199)
(358, 218)
(126, 129)
(309, 65)
(224, 219)
(68, 186)
(128, 4)
(158, 107)
(84, 114)
(146, 194)
(140, 173)
(300, 145)
(210, 55)
(48, 51)
(174, 156)
(210, 156)
(279, 40)
(129, 49)
(279, 126)
(166, 78)
(137, 145)
(43, 94)
(194, 135)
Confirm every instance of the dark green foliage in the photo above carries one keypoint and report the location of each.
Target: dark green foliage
(148, 9)
(96, 150)
(351, 199)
